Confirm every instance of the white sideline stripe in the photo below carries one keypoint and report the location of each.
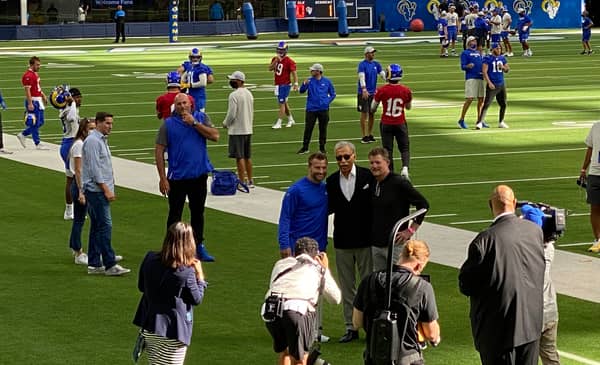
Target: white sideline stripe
(578, 358)
(575, 244)
(578, 214)
(494, 181)
(276, 182)
(471, 222)
(441, 215)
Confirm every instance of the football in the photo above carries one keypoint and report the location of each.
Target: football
(416, 25)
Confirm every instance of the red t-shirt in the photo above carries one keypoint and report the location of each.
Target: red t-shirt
(32, 80)
(165, 104)
(283, 69)
(393, 98)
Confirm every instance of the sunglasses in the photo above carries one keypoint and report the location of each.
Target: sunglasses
(345, 157)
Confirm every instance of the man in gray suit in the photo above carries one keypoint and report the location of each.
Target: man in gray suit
(504, 278)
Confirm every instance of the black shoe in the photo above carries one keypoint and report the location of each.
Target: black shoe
(323, 150)
(349, 336)
(371, 138)
(583, 52)
(302, 151)
(365, 139)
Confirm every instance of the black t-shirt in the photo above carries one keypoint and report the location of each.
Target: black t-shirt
(370, 297)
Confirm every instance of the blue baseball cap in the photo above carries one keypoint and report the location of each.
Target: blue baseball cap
(495, 45)
(533, 214)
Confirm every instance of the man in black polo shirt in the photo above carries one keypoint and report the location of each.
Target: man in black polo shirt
(392, 198)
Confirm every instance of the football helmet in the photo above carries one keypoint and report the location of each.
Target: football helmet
(282, 48)
(30, 119)
(59, 96)
(394, 72)
(173, 79)
(195, 56)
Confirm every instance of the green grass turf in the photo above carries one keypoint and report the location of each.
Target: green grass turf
(61, 316)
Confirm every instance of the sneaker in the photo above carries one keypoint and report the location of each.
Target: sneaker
(81, 259)
(510, 54)
(595, 248)
(116, 270)
(462, 124)
(583, 52)
(21, 139)
(243, 187)
(364, 140)
(371, 138)
(302, 151)
(93, 270)
(5, 152)
(290, 123)
(478, 125)
(277, 124)
(322, 338)
(349, 336)
(323, 150)
(404, 173)
(118, 258)
(203, 254)
(485, 125)
(68, 215)
(251, 184)
(41, 147)
(502, 125)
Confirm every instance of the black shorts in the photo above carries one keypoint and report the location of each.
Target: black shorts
(294, 332)
(364, 105)
(239, 146)
(593, 189)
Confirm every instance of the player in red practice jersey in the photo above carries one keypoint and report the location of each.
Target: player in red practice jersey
(395, 99)
(284, 69)
(35, 102)
(165, 102)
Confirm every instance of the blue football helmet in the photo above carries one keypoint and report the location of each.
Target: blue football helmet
(59, 96)
(195, 56)
(394, 72)
(173, 79)
(282, 48)
(30, 119)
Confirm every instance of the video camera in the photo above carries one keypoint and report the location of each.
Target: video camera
(555, 219)
(314, 357)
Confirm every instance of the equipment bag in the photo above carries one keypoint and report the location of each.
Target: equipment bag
(223, 183)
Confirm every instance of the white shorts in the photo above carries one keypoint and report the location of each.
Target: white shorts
(474, 88)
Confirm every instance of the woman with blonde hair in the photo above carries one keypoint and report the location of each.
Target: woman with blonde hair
(172, 283)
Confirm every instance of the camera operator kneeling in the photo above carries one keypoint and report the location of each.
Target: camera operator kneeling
(393, 335)
(290, 304)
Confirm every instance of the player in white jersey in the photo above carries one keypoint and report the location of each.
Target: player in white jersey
(69, 117)
(496, 26)
(452, 19)
(506, 23)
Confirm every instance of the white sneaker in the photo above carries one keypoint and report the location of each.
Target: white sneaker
(510, 54)
(404, 173)
(21, 139)
(81, 259)
(5, 152)
(116, 270)
(478, 125)
(118, 258)
(502, 125)
(530, 52)
(323, 339)
(92, 270)
(290, 123)
(277, 124)
(68, 212)
(42, 147)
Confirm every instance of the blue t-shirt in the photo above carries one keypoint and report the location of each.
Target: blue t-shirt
(442, 23)
(524, 20)
(585, 23)
(371, 70)
(494, 70)
(471, 56)
(303, 214)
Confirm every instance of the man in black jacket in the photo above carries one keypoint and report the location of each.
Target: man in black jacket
(349, 195)
(503, 277)
(392, 197)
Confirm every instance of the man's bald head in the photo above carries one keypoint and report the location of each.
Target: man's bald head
(502, 200)
(182, 103)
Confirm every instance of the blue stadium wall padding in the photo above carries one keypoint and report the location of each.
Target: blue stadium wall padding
(293, 31)
(248, 12)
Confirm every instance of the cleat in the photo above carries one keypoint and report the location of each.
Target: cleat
(478, 126)
(484, 125)
(277, 124)
(595, 248)
(290, 123)
(404, 173)
(502, 125)
(462, 124)
(302, 151)
(365, 140)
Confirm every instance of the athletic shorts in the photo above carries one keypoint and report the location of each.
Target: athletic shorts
(65, 147)
(452, 34)
(239, 146)
(504, 34)
(364, 105)
(586, 36)
(293, 331)
(593, 189)
(282, 92)
(474, 88)
(523, 37)
(496, 37)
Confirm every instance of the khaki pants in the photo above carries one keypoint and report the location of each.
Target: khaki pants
(548, 351)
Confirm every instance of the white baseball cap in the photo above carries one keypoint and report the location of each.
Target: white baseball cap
(370, 49)
(316, 67)
(470, 39)
(237, 75)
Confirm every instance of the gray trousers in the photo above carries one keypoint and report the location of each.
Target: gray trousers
(548, 351)
(380, 257)
(347, 261)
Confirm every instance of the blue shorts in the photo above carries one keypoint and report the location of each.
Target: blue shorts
(65, 147)
(504, 34)
(523, 37)
(586, 36)
(452, 34)
(282, 92)
(495, 38)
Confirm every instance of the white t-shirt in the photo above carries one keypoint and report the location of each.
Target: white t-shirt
(76, 151)
(496, 23)
(593, 140)
(452, 19)
(506, 22)
(69, 118)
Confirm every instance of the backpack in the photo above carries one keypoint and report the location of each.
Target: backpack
(223, 182)
(389, 326)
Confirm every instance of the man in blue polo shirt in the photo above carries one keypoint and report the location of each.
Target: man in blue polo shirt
(470, 63)
(320, 94)
(493, 68)
(523, 28)
(368, 70)
(183, 135)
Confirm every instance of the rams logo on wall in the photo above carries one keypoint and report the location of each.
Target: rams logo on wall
(433, 7)
(407, 9)
(493, 4)
(551, 7)
(525, 4)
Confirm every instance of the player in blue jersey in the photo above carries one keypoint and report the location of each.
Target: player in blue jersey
(195, 75)
(523, 28)
(442, 27)
(493, 69)
(586, 33)
(368, 70)
(470, 63)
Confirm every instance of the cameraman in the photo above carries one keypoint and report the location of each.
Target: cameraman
(370, 298)
(299, 281)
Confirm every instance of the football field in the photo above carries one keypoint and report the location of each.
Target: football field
(53, 313)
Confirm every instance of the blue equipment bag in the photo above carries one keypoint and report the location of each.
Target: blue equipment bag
(223, 183)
